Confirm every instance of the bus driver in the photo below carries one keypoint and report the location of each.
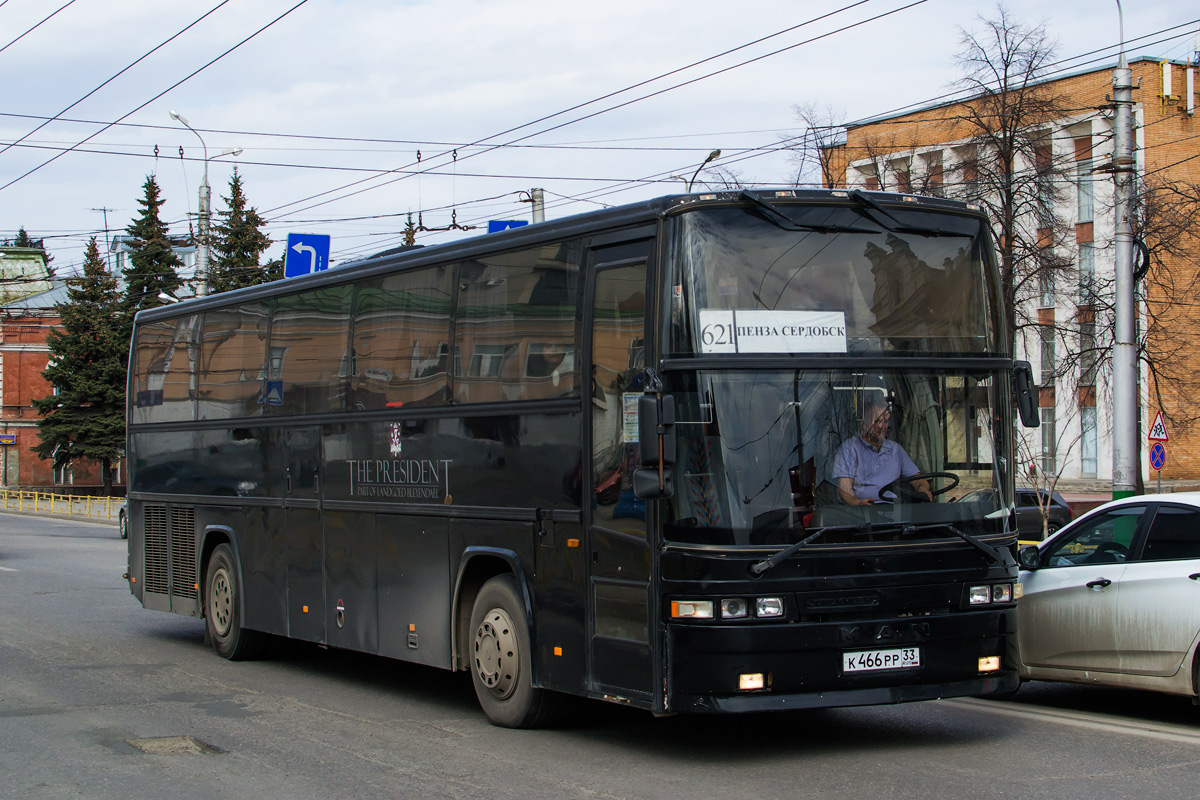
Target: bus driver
(870, 461)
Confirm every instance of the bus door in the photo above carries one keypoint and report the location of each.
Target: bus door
(620, 611)
(303, 536)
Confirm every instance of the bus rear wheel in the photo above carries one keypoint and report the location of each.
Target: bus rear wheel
(222, 609)
(501, 659)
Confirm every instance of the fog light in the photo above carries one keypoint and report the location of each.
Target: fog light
(1002, 593)
(979, 595)
(692, 609)
(768, 607)
(749, 681)
(734, 608)
(989, 664)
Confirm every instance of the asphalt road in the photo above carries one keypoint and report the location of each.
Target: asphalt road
(100, 698)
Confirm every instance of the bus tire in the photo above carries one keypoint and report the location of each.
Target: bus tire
(222, 609)
(501, 659)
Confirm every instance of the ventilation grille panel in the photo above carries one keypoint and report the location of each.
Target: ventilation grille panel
(183, 551)
(154, 525)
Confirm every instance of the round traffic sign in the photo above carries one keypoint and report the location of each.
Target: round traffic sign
(1158, 456)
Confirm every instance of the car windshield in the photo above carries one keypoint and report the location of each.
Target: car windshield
(762, 454)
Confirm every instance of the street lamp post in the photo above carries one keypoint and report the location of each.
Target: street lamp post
(204, 209)
(715, 154)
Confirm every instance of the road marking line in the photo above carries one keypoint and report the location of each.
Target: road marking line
(8, 569)
(1085, 719)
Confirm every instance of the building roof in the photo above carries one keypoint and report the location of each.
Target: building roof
(961, 100)
(42, 301)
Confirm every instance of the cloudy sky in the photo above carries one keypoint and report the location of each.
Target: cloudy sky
(352, 113)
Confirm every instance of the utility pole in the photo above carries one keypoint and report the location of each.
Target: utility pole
(538, 200)
(107, 243)
(1126, 454)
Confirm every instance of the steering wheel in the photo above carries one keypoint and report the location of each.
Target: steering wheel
(1108, 553)
(902, 488)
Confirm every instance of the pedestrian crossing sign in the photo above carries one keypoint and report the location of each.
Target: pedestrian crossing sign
(1158, 431)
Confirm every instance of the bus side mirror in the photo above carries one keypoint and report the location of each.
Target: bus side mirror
(656, 434)
(1028, 557)
(1026, 392)
(656, 429)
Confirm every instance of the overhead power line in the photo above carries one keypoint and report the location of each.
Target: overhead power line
(157, 96)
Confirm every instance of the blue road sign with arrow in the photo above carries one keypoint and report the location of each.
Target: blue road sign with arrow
(306, 252)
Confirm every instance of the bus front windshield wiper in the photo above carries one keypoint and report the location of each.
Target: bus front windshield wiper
(773, 215)
(758, 568)
(873, 211)
(994, 553)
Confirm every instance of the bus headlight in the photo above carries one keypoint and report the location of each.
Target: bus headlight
(734, 608)
(768, 607)
(979, 595)
(691, 609)
(1002, 593)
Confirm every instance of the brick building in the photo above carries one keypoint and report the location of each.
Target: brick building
(24, 325)
(933, 150)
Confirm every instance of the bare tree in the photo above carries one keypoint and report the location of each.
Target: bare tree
(815, 151)
(1013, 171)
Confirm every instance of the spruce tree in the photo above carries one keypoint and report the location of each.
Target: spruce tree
(86, 419)
(238, 244)
(153, 265)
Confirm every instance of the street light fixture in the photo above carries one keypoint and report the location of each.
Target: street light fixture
(204, 212)
(715, 154)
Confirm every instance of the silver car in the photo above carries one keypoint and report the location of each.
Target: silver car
(1114, 597)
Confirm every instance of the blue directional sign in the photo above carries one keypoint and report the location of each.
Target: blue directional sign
(495, 225)
(306, 252)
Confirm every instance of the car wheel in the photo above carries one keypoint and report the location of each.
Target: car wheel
(222, 609)
(123, 525)
(1051, 529)
(501, 658)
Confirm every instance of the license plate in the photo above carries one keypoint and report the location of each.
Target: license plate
(871, 660)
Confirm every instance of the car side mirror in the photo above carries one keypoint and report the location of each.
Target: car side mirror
(1029, 557)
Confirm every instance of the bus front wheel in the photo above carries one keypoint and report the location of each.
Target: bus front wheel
(501, 659)
(222, 609)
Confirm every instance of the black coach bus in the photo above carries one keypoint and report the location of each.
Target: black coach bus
(597, 457)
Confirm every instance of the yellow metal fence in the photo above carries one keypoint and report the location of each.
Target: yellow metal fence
(71, 505)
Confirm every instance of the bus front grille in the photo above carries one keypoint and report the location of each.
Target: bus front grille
(155, 527)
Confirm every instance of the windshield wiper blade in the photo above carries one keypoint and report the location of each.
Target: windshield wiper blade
(994, 553)
(781, 220)
(894, 225)
(771, 561)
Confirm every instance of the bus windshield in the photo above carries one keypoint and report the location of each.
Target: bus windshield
(830, 280)
(760, 453)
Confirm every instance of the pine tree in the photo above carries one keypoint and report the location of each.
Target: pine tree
(238, 244)
(153, 266)
(86, 418)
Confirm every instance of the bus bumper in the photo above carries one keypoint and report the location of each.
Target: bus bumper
(802, 665)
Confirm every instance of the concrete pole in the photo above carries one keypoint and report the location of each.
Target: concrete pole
(202, 241)
(1126, 454)
(538, 200)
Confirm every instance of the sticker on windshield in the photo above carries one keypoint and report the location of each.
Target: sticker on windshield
(765, 331)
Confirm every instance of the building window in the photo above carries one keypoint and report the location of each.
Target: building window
(1084, 188)
(1048, 441)
(1087, 421)
(1046, 289)
(1087, 349)
(934, 178)
(1047, 334)
(902, 169)
(1087, 274)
